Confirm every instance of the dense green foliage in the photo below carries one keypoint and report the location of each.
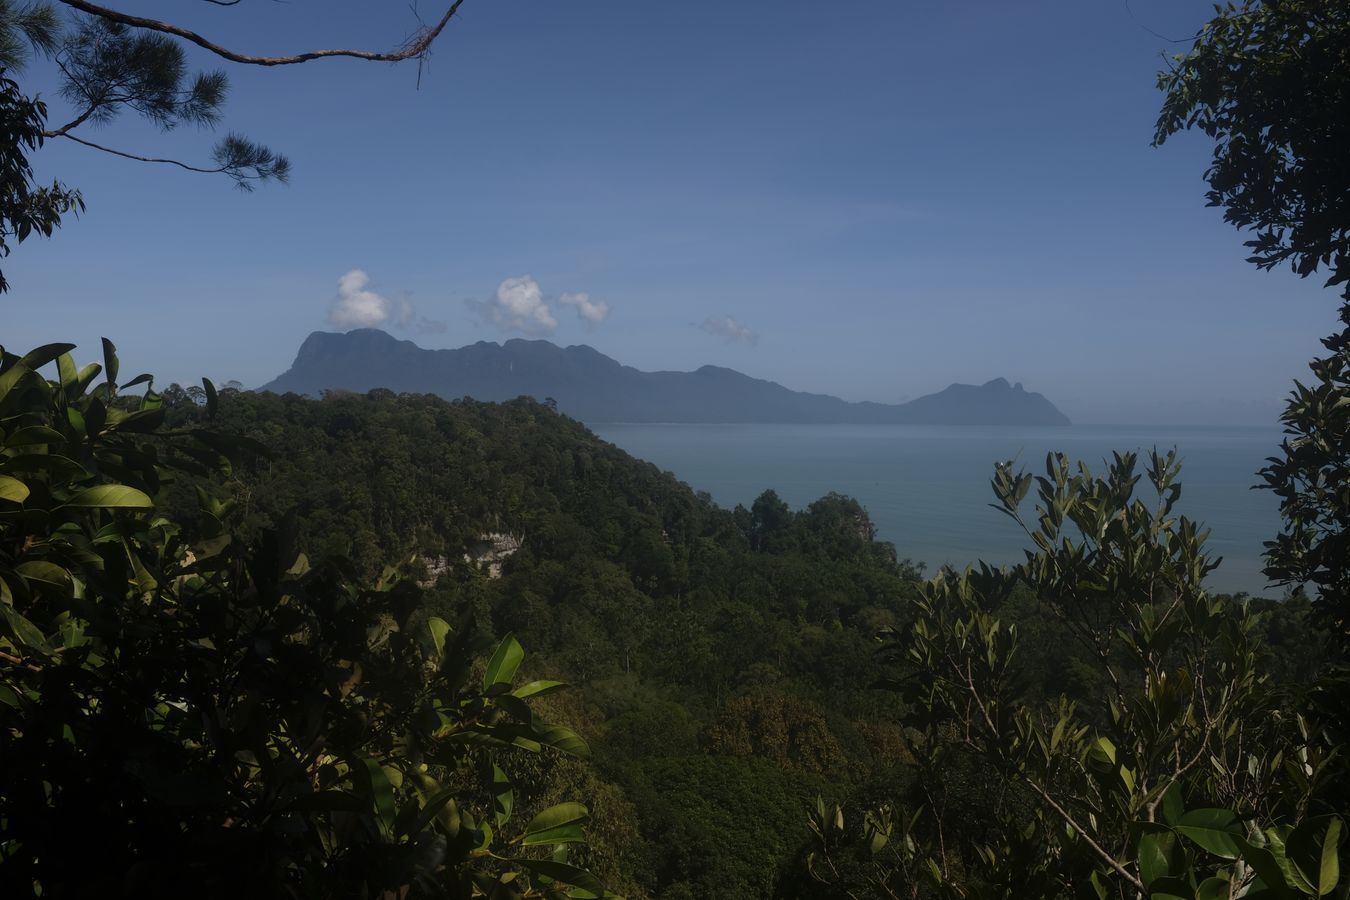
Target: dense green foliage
(724, 659)
(185, 712)
(1312, 480)
(721, 655)
(1172, 778)
(1269, 82)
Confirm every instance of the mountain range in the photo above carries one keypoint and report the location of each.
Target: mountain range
(594, 388)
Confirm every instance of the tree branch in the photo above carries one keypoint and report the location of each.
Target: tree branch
(1101, 851)
(149, 159)
(417, 45)
(73, 123)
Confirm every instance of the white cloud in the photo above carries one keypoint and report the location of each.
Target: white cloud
(518, 305)
(593, 312)
(729, 328)
(356, 306)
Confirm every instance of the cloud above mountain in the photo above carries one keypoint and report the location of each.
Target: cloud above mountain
(592, 312)
(728, 328)
(519, 305)
(357, 306)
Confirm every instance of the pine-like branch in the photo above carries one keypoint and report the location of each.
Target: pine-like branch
(417, 45)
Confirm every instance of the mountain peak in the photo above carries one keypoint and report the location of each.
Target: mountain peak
(596, 388)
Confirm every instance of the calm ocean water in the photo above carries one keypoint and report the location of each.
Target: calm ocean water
(927, 487)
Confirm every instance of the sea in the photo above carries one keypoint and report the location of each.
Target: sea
(926, 488)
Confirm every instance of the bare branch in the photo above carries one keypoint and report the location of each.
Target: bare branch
(149, 159)
(416, 46)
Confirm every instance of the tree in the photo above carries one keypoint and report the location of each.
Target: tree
(25, 208)
(186, 713)
(1269, 81)
(1312, 480)
(110, 62)
(1178, 786)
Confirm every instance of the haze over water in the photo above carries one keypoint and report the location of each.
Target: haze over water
(927, 487)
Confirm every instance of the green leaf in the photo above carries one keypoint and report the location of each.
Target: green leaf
(23, 632)
(39, 357)
(1314, 849)
(110, 362)
(143, 421)
(12, 489)
(212, 398)
(590, 886)
(111, 496)
(34, 434)
(561, 824)
(143, 378)
(564, 739)
(1273, 865)
(1172, 808)
(1266, 866)
(66, 372)
(535, 688)
(503, 796)
(1212, 889)
(1214, 829)
(46, 573)
(1157, 849)
(10, 378)
(86, 377)
(381, 793)
(48, 465)
(441, 805)
(502, 667)
(439, 628)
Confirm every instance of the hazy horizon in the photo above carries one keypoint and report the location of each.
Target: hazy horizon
(1272, 422)
(871, 204)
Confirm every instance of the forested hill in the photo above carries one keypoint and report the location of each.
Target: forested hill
(594, 388)
(721, 658)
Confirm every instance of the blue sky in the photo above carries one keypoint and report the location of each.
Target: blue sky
(869, 198)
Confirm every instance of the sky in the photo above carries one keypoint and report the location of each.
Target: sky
(870, 198)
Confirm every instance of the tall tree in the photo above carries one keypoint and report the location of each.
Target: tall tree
(1270, 83)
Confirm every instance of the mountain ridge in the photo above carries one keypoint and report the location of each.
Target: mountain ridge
(595, 388)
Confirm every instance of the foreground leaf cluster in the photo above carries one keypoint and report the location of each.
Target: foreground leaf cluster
(186, 713)
(1194, 779)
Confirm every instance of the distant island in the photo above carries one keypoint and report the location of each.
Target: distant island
(594, 388)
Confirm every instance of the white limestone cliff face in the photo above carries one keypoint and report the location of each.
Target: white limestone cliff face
(491, 548)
